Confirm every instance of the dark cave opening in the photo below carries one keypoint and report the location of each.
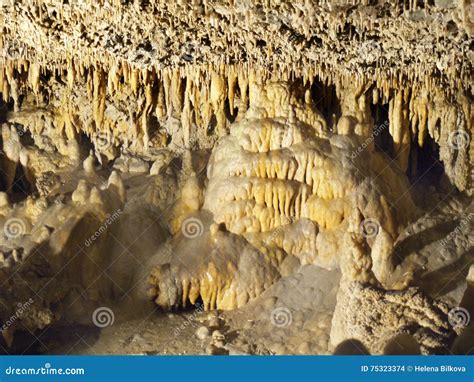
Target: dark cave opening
(325, 99)
(20, 187)
(198, 306)
(426, 165)
(86, 144)
(383, 141)
(3, 111)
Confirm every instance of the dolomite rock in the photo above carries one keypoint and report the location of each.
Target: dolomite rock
(373, 316)
(217, 266)
(285, 186)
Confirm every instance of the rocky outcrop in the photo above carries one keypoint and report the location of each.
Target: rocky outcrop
(374, 316)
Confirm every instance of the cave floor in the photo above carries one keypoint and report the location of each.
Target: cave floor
(292, 317)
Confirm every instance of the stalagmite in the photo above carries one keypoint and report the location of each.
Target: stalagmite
(115, 183)
(89, 164)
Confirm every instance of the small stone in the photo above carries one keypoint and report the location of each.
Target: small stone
(214, 350)
(278, 348)
(235, 350)
(131, 164)
(137, 338)
(213, 322)
(202, 333)
(217, 335)
(218, 339)
(218, 343)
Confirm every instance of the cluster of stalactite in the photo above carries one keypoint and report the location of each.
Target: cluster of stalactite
(133, 107)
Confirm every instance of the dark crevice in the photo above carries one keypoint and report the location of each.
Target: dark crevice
(382, 139)
(427, 167)
(325, 100)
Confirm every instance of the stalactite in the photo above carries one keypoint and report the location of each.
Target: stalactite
(399, 129)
